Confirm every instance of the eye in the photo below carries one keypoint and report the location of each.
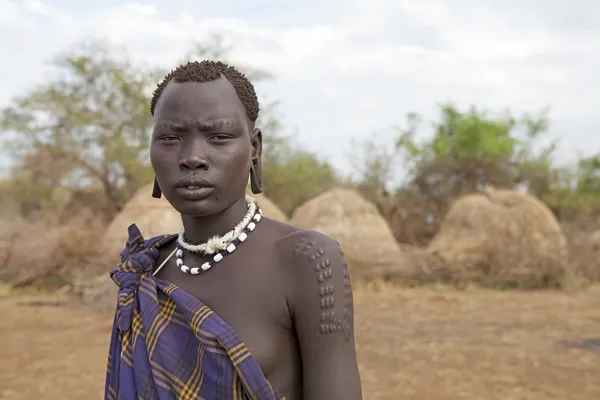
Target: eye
(220, 137)
(169, 139)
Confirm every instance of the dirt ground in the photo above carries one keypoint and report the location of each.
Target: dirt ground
(412, 344)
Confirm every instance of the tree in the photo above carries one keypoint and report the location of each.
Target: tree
(588, 175)
(87, 127)
(575, 191)
(472, 149)
(90, 126)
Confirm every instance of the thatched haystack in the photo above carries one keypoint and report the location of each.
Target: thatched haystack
(502, 238)
(26, 247)
(363, 234)
(153, 216)
(45, 252)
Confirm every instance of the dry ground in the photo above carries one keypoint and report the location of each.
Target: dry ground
(413, 344)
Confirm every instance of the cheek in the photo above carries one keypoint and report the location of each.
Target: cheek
(237, 158)
(159, 158)
(154, 159)
(242, 164)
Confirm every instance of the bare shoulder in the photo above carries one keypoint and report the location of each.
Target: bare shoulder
(320, 289)
(308, 253)
(301, 248)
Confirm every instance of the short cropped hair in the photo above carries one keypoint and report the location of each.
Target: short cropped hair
(207, 71)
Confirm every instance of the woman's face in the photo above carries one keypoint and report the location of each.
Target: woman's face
(202, 146)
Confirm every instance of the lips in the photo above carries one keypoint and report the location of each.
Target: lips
(192, 181)
(194, 193)
(193, 188)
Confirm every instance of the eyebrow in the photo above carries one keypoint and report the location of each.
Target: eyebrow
(204, 126)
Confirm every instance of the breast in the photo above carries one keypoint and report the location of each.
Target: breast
(276, 351)
(262, 325)
(265, 345)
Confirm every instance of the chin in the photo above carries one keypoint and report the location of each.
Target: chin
(198, 208)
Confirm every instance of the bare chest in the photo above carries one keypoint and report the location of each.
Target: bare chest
(247, 292)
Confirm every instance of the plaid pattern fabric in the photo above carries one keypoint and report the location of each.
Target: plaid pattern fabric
(168, 345)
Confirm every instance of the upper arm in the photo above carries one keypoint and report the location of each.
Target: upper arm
(321, 304)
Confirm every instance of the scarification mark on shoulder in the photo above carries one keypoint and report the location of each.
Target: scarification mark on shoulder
(330, 321)
(303, 247)
(347, 319)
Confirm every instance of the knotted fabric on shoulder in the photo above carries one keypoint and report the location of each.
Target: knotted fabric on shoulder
(167, 344)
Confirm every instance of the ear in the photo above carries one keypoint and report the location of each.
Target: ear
(256, 141)
(256, 179)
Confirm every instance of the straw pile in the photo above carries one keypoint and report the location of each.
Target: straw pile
(363, 234)
(502, 238)
(153, 217)
(45, 252)
(25, 249)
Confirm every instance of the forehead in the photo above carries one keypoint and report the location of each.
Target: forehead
(199, 101)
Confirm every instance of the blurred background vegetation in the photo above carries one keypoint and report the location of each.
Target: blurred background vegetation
(87, 131)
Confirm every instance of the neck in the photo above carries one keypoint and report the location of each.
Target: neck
(200, 229)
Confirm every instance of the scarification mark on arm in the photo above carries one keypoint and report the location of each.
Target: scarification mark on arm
(347, 319)
(330, 321)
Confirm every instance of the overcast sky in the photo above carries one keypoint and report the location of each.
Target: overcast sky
(348, 68)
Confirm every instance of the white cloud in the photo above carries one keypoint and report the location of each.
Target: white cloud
(344, 73)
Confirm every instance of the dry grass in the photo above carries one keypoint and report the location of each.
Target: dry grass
(52, 253)
(502, 238)
(356, 224)
(423, 344)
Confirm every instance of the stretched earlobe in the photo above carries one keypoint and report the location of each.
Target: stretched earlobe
(156, 192)
(256, 181)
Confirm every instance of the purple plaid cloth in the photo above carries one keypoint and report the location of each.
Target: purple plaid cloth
(168, 345)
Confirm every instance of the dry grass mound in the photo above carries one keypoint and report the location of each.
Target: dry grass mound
(502, 238)
(153, 216)
(26, 247)
(363, 234)
(46, 253)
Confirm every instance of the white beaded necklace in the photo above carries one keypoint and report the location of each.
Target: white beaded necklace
(218, 243)
(221, 245)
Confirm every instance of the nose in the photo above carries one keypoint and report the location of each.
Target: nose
(193, 160)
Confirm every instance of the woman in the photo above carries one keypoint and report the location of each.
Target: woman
(236, 306)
